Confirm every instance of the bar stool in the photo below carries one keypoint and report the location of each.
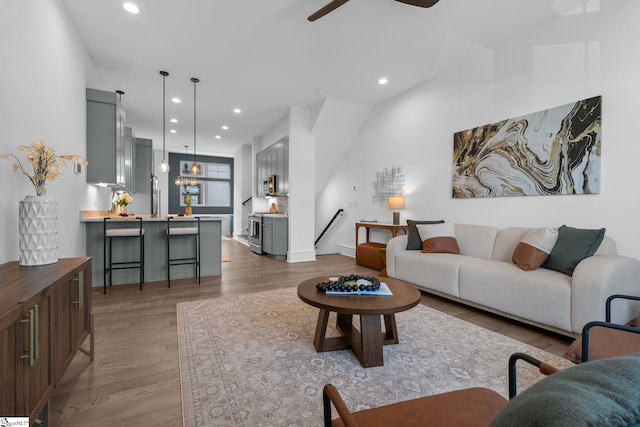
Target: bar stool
(183, 231)
(122, 233)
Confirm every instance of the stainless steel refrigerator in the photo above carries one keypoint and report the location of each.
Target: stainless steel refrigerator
(155, 196)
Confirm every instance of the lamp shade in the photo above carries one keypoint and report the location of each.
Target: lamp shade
(396, 202)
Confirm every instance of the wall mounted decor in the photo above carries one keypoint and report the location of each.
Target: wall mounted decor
(550, 152)
(388, 183)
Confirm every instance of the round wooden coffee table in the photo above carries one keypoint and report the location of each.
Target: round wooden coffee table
(367, 343)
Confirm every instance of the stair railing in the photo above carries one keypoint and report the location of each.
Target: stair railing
(338, 213)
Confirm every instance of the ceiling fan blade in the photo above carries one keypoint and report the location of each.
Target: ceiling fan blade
(330, 7)
(419, 3)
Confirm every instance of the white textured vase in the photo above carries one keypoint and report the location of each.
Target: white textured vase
(38, 230)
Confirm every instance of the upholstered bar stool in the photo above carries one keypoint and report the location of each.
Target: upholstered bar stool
(174, 230)
(122, 233)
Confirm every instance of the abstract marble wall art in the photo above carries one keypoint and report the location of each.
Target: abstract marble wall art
(550, 152)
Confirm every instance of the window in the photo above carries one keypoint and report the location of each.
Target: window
(218, 193)
(217, 170)
(213, 191)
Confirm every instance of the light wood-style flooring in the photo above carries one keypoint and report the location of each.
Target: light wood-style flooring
(134, 379)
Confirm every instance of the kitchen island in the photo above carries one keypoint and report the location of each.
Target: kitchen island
(155, 247)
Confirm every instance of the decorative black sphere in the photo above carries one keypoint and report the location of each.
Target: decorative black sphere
(340, 286)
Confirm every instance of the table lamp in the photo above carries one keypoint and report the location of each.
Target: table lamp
(395, 203)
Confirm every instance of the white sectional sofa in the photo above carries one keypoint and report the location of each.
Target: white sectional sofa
(484, 276)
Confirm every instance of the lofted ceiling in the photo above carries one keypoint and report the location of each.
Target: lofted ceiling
(263, 56)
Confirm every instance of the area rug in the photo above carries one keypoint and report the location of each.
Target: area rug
(249, 361)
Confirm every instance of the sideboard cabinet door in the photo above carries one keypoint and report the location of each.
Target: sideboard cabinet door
(10, 363)
(72, 316)
(36, 383)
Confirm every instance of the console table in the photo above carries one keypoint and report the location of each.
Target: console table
(373, 254)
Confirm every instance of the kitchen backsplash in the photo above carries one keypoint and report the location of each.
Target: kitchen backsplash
(262, 204)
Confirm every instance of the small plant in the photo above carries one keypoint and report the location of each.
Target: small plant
(45, 164)
(123, 199)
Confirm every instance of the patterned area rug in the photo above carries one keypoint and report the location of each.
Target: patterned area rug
(249, 361)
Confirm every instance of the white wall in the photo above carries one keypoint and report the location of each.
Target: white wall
(42, 81)
(243, 180)
(301, 186)
(575, 57)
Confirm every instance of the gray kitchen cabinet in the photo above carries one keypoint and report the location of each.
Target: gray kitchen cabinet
(280, 170)
(267, 235)
(273, 167)
(143, 161)
(280, 236)
(106, 151)
(274, 160)
(260, 173)
(126, 158)
(275, 235)
(142, 170)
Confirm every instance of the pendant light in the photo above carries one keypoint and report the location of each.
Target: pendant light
(195, 167)
(184, 178)
(164, 166)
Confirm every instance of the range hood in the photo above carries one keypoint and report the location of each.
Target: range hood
(111, 185)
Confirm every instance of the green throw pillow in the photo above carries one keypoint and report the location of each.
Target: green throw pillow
(573, 245)
(598, 393)
(414, 242)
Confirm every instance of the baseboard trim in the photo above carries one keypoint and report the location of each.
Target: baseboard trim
(349, 251)
(303, 256)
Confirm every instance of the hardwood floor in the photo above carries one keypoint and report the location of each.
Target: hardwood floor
(134, 379)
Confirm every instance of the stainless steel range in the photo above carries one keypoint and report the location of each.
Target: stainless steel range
(255, 232)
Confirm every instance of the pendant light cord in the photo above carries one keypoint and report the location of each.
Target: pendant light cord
(164, 119)
(195, 169)
(164, 165)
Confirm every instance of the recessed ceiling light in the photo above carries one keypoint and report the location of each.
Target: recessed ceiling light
(131, 8)
(218, 137)
(174, 120)
(383, 81)
(237, 110)
(172, 131)
(224, 127)
(176, 100)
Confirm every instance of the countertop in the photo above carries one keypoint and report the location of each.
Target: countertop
(98, 216)
(272, 214)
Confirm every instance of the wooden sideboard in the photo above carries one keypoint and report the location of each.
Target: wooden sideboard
(45, 316)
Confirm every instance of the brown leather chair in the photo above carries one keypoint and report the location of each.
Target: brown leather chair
(468, 407)
(601, 340)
